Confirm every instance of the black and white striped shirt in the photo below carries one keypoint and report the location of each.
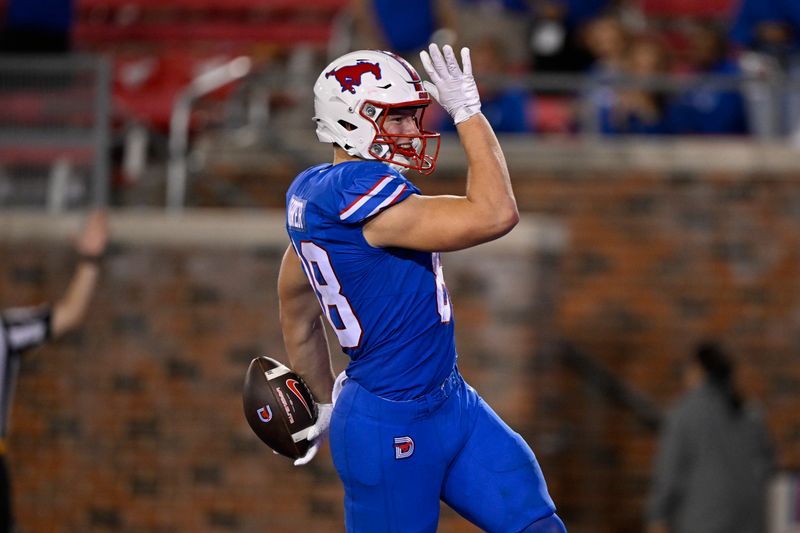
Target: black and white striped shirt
(20, 330)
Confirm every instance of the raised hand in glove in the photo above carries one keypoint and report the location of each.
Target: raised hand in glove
(454, 89)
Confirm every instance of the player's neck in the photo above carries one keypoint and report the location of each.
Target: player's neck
(340, 156)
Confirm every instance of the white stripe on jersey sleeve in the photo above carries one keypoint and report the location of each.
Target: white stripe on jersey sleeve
(392, 197)
(26, 335)
(364, 198)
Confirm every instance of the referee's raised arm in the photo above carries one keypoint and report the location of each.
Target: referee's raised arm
(26, 327)
(70, 310)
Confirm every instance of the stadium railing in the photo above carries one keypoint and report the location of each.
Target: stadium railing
(55, 124)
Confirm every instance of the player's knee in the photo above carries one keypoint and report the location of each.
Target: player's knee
(550, 524)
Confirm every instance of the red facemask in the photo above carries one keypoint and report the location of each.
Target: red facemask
(417, 151)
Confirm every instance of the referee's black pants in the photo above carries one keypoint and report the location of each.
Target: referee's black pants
(6, 515)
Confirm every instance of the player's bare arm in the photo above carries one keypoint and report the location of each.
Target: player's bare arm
(488, 210)
(70, 310)
(446, 223)
(302, 327)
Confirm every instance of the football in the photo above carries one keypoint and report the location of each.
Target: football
(278, 406)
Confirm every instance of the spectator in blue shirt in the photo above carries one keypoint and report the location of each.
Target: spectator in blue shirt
(637, 110)
(768, 26)
(403, 27)
(505, 107)
(704, 108)
(607, 40)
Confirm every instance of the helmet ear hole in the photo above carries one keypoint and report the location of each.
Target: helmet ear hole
(347, 125)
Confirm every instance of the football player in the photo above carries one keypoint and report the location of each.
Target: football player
(406, 430)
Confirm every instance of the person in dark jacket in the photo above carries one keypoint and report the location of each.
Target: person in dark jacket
(714, 457)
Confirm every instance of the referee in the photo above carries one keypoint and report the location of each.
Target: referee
(26, 327)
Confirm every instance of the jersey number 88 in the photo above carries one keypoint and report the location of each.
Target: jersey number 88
(337, 307)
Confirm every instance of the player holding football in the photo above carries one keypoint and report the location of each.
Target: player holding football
(406, 430)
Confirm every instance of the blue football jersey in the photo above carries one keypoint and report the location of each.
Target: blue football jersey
(389, 307)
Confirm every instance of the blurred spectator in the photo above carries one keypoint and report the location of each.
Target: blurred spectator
(506, 21)
(27, 327)
(402, 27)
(505, 107)
(714, 456)
(557, 36)
(607, 39)
(769, 30)
(704, 108)
(579, 12)
(768, 26)
(37, 26)
(637, 110)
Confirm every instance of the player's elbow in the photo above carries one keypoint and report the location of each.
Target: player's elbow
(510, 217)
(492, 223)
(505, 218)
(493, 227)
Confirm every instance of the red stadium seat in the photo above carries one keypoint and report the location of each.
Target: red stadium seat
(146, 86)
(713, 9)
(250, 5)
(26, 111)
(54, 109)
(552, 114)
(138, 34)
(37, 155)
(281, 33)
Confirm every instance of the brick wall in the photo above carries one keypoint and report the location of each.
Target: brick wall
(656, 262)
(135, 425)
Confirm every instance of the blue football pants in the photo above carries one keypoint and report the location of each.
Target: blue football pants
(397, 459)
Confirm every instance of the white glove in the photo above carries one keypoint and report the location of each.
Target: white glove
(317, 433)
(455, 90)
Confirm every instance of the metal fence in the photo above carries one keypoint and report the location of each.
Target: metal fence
(55, 119)
(55, 115)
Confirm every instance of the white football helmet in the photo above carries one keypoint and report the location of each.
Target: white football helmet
(352, 98)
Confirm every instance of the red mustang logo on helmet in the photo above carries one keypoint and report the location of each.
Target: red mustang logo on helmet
(349, 76)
